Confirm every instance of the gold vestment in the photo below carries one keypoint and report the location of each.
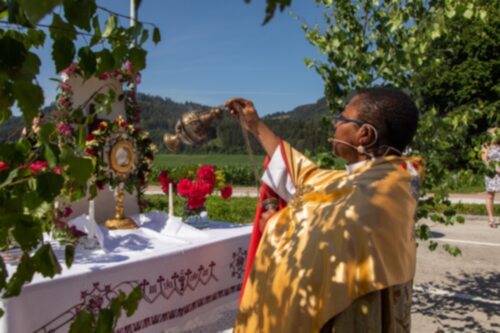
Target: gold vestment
(342, 236)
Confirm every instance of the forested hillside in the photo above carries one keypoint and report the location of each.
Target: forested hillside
(303, 126)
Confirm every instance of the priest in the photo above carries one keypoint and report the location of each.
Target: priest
(338, 253)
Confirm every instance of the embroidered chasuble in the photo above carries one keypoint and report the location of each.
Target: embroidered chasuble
(341, 240)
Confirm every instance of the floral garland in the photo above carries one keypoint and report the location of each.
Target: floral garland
(97, 146)
(70, 122)
(65, 115)
(196, 190)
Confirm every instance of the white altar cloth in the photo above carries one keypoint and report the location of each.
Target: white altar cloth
(188, 284)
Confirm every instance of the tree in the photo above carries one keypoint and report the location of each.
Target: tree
(404, 44)
(37, 171)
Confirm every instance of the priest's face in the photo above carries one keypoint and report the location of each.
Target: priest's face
(346, 128)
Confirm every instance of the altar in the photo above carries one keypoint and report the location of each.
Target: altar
(190, 281)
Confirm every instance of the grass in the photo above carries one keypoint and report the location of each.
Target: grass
(237, 209)
(242, 209)
(175, 160)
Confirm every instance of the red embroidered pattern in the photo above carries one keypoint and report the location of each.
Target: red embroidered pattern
(179, 312)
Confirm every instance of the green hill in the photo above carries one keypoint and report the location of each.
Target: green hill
(302, 127)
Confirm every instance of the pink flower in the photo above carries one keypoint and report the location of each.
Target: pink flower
(104, 76)
(38, 166)
(3, 166)
(226, 192)
(184, 187)
(68, 211)
(64, 101)
(58, 170)
(129, 66)
(138, 78)
(65, 86)
(64, 129)
(75, 232)
(70, 69)
(207, 173)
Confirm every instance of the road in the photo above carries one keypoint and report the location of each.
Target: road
(459, 294)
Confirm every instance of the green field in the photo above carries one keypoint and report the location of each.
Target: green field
(175, 160)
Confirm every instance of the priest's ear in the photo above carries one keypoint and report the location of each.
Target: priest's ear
(366, 135)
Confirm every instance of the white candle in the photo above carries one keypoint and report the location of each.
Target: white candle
(91, 210)
(170, 201)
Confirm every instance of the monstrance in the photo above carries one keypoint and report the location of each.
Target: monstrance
(121, 158)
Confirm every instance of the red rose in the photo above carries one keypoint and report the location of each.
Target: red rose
(196, 200)
(99, 184)
(103, 125)
(137, 130)
(38, 166)
(3, 166)
(124, 124)
(91, 152)
(90, 137)
(226, 192)
(184, 187)
(202, 186)
(164, 179)
(207, 173)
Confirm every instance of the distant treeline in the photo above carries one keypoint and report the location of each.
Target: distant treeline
(303, 126)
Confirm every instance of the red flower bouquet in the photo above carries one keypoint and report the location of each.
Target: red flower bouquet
(196, 190)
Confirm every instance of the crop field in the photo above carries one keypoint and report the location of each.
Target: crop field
(176, 160)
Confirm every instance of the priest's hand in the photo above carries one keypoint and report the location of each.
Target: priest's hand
(265, 217)
(244, 111)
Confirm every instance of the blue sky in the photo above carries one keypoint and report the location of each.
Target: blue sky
(212, 50)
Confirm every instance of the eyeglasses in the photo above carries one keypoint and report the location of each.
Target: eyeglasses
(338, 118)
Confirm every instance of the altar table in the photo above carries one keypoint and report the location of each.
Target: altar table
(189, 284)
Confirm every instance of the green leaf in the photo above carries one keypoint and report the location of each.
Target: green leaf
(105, 321)
(83, 323)
(460, 219)
(110, 26)
(156, 35)
(3, 274)
(46, 132)
(27, 232)
(30, 68)
(49, 186)
(138, 58)
(87, 60)
(80, 12)
(61, 29)
(45, 261)
(29, 98)
(49, 155)
(105, 61)
(12, 60)
(12, 175)
(120, 54)
(63, 53)
(36, 37)
(24, 273)
(35, 10)
(96, 38)
(80, 169)
(132, 302)
(144, 36)
(69, 255)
